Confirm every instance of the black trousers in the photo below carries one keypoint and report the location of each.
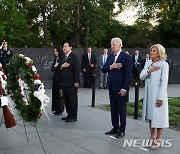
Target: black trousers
(71, 101)
(118, 110)
(57, 102)
(88, 77)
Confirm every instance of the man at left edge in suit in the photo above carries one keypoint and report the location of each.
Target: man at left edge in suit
(119, 68)
(70, 75)
(5, 55)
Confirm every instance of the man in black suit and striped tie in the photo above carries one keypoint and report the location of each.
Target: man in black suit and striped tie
(70, 73)
(88, 66)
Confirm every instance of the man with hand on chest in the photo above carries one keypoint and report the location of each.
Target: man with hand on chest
(5, 54)
(119, 68)
(70, 73)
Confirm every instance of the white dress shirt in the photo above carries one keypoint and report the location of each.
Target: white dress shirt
(104, 58)
(117, 55)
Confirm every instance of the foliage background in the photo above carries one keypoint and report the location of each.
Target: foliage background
(46, 23)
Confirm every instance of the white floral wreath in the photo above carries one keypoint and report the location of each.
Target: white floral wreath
(39, 90)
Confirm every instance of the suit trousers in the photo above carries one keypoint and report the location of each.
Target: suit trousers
(103, 78)
(118, 110)
(71, 101)
(88, 76)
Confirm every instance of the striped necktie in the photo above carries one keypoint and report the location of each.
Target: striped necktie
(66, 57)
(114, 58)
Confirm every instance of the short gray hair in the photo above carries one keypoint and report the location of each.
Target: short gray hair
(117, 39)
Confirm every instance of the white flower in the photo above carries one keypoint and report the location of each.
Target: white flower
(4, 83)
(0, 65)
(1, 73)
(28, 62)
(28, 59)
(36, 93)
(5, 77)
(34, 69)
(37, 81)
(21, 55)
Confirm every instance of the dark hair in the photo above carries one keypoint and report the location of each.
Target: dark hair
(59, 50)
(70, 43)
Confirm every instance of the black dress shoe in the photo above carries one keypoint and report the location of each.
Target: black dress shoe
(112, 131)
(120, 135)
(71, 120)
(57, 113)
(65, 118)
(52, 113)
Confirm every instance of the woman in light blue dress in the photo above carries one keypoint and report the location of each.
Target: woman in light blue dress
(155, 102)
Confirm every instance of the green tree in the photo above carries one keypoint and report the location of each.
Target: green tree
(96, 16)
(166, 15)
(13, 25)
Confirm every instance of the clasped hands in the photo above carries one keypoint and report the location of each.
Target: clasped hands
(122, 92)
(92, 65)
(136, 63)
(116, 65)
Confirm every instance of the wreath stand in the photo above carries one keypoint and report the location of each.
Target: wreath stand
(23, 66)
(25, 130)
(12, 123)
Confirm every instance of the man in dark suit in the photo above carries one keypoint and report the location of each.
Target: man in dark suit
(168, 60)
(5, 55)
(119, 68)
(146, 58)
(88, 67)
(137, 67)
(70, 74)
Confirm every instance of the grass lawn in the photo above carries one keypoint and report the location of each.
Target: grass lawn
(174, 102)
(174, 111)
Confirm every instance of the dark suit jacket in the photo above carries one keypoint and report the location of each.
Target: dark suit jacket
(85, 61)
(119, 78)
(5, 56)
(139, 66)
(168, 60)
(71, 74)
(101, 62)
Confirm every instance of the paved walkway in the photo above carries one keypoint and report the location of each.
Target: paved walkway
(86, 136)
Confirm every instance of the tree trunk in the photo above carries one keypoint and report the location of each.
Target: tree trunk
(77, 17)
(87, 34)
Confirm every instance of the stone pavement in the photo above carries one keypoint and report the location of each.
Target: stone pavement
(86, 136)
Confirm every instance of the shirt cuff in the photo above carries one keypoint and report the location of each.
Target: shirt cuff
(123, 90)
(110, 67)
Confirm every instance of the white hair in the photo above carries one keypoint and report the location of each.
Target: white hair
(117, 39)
